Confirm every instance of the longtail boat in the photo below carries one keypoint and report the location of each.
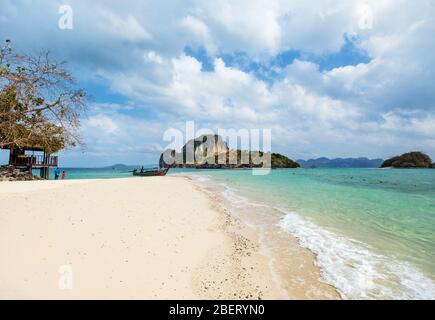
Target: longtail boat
(150, 173)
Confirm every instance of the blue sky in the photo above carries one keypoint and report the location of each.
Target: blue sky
(329, 78)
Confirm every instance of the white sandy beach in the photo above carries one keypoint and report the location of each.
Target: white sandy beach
(152, 238)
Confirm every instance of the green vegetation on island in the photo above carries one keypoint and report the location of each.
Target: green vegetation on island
(409, 160)
(280, 161)
(211, 152)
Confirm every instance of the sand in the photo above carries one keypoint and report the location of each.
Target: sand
(133, 238)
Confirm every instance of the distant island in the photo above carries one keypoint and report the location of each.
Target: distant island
(121, 166)
(218, 148)
(409, 160)
(280, 161)
(340, 163)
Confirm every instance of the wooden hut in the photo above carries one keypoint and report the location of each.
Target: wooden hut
(29, 158)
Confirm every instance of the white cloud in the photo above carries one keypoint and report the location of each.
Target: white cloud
(104, 124)
(200, 32)
(414, 124)
(127, 28)
(246, 25)
(355, 109)
(154, 57)
(300, 115)
(122, 133)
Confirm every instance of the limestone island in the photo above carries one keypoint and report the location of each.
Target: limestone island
(212, 152)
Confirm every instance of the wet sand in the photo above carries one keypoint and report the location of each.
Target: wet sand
(292, 267)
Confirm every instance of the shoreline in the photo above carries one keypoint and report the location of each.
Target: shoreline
(184, 235)
(293, 268)
(303, 253)
(243, 254)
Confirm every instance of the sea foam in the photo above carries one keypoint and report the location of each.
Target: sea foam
(350, 266)
(356, 271)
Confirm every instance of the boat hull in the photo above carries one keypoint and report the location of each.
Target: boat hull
(152, 173)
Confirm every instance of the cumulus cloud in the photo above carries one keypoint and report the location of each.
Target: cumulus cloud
(127, 28)
(154, 57)
(137, 50)
(200, 32)
(113, 135)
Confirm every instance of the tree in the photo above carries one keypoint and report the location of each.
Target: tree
(40, 105)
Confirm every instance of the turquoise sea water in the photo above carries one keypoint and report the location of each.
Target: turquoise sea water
(93, 173)
(373, 230)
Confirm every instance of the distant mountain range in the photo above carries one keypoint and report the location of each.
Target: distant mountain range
(340, 163)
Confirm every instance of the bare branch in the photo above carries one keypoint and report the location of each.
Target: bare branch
(39, 102)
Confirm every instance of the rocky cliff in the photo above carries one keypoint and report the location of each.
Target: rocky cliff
(211, 152)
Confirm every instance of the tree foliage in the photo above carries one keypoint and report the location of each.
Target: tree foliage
(280, 161)
(40, 105)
